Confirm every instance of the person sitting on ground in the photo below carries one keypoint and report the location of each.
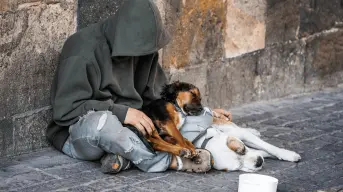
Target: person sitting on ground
(106, 73)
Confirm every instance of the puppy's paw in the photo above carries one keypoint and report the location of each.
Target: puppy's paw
(194, 153)
(288, 155)
(186, 153)
(254, 131)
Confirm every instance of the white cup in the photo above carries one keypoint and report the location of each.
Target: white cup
(257, 183)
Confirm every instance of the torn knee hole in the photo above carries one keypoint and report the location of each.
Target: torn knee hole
(102, 122)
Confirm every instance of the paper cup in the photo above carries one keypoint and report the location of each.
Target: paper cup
(257, 183)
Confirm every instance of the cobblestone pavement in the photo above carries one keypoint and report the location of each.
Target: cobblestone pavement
(309, 124)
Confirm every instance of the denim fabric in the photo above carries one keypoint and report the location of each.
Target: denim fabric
(101, 132)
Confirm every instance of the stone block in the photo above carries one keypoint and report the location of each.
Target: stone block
(6, 137)
(324, 61)
(280, 71)
(29, 46)
(270, 73)
(29, 132)
(234, 82)
(93, 11)
(32, 34)
(198, 30)
(245, 27)
(319, 15)
(282, 21)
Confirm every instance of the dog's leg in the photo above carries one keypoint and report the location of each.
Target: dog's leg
(188, 143)
(160, 145)
(264, 154)
(172, 130)
(253, 131)
(172, 141)
(257, 143)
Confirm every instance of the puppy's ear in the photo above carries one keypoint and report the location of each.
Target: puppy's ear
(169, 92)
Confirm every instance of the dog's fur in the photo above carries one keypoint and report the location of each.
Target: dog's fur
(233, 148)
(168, 120)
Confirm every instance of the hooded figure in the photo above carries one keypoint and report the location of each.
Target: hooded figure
(112, 65)
(104, 70)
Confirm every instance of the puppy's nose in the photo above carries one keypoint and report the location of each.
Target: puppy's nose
(259, 162)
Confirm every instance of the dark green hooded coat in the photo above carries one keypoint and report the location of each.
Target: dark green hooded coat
(112, 65)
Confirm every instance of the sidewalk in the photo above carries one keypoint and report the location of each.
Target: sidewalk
(311, 125)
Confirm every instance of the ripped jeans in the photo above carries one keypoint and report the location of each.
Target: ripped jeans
(100, 132)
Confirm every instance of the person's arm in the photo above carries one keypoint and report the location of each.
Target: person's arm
(75, 81)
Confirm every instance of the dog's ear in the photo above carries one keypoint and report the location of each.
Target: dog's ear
(169, 92)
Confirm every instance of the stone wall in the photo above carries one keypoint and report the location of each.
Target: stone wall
(241, 51)
(235, 51)
(32, 33)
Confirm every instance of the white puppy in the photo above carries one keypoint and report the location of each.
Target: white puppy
(233, 148)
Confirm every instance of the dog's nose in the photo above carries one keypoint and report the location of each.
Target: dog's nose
(259, 161)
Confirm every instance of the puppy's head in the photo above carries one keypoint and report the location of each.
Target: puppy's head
(185, 95)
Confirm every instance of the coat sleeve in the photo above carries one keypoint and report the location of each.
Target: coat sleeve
(157, 79)
(72, 92)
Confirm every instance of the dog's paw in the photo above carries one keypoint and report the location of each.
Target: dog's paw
(186, 153)
(254, 131)
(193, 153)
(288, 155)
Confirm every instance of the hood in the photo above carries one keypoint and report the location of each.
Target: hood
(136, 29)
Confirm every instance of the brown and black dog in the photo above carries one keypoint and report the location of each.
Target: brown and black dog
(168, 114)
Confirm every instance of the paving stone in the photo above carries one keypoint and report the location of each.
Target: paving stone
(23, 179)
(273, 165)
(335, 147)
(276, 121)
(46, 159)
(70, 170)
(318, 139)
(180, 177)
(137, 174)
(255, 117)
(112, 181)
(338, 134)
(79, 179)
(79, 189)
(127, 189)
(154, 185)
(198, 185)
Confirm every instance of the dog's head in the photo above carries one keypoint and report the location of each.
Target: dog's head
(184, 95)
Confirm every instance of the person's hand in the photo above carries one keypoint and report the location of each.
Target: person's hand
(139, 120)
(222, 114)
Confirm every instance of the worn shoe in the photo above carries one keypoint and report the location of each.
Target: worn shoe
(191, 166)
(111, 163)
